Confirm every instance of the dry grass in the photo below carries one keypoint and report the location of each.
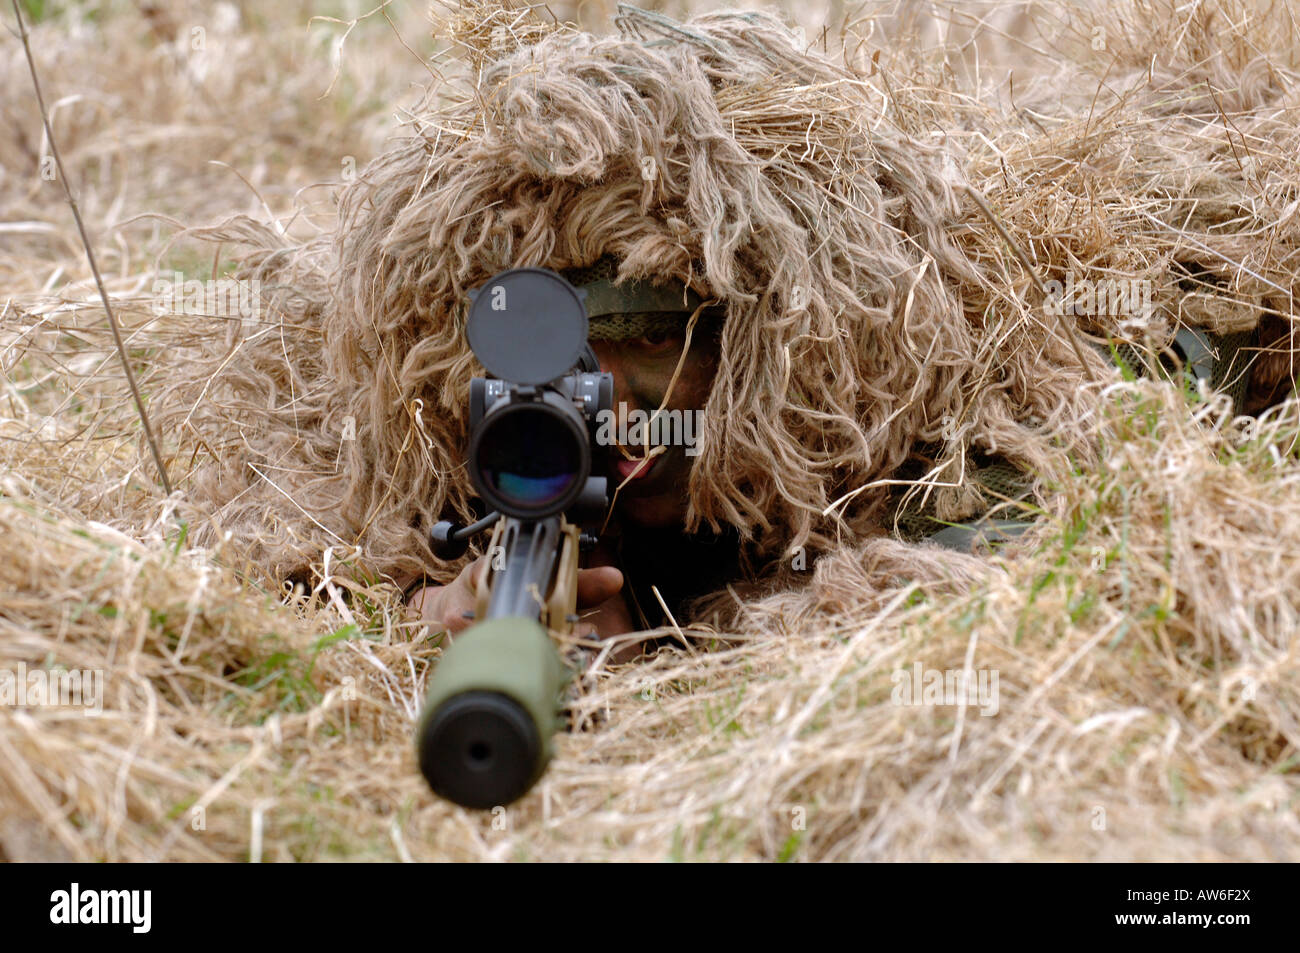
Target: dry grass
(1143, 634)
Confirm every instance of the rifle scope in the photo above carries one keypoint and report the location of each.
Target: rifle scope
(530, 428)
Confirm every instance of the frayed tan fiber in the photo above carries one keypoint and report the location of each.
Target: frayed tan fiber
(773, 179)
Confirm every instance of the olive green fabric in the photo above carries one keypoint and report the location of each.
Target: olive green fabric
(996, 480)
(1232, 367)
(1223, 361)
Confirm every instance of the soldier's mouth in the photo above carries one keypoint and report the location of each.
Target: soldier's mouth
(635, 470)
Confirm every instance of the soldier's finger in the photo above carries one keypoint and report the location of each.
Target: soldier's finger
(598, 585)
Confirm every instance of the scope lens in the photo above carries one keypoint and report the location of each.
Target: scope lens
(529, 457)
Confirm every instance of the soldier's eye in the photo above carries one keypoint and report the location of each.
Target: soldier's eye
(661, 339)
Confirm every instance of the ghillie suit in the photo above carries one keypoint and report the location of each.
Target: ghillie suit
(858, 330)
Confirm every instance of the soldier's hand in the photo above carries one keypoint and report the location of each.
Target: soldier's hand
(445, 607)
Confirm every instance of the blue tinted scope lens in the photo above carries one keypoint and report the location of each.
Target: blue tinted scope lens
(529, 457)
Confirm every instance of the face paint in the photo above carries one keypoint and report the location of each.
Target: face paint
(643, 369)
